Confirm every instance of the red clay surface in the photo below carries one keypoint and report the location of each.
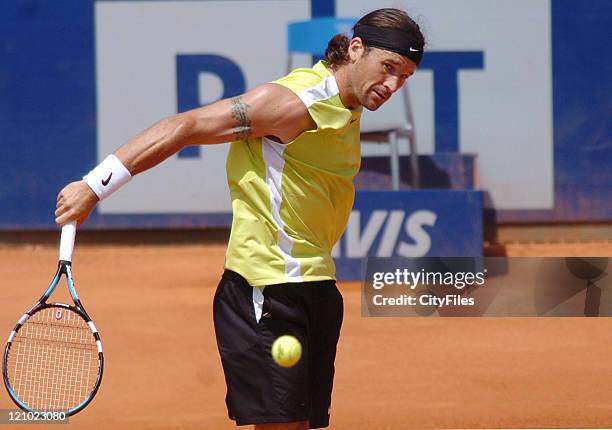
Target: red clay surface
(153, 307)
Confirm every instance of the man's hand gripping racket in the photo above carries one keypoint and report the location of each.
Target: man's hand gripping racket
(53, 359)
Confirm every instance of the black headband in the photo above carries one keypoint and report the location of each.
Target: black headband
(392, 40)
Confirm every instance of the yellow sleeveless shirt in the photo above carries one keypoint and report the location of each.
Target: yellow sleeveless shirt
(291, 202)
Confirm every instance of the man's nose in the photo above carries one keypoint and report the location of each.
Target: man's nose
(393, 84)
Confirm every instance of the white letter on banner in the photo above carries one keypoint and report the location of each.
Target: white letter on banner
(357, 246)
(336, 250)
(392, 229)
(414, 228)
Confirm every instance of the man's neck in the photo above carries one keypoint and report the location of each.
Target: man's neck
(345, 88)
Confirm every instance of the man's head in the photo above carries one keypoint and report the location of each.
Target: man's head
(386, 47)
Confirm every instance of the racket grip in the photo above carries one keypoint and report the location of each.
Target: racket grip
(67, 241)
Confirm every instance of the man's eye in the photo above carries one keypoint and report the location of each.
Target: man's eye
(387, 67)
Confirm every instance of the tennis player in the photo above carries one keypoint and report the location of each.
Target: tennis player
(290, 168)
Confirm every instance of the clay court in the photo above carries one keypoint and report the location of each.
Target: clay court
(152, 302)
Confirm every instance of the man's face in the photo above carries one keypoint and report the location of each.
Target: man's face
(377, 74)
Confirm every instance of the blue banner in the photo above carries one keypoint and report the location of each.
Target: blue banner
(433, 223)
(57, 72)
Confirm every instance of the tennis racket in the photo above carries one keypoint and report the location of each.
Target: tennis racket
(53, 359)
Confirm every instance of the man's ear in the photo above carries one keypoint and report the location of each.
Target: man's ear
(355, 49)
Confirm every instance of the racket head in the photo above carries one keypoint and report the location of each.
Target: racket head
(53, 360)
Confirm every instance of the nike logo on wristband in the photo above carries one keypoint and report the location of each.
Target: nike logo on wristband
(107, 180)
(413, 50)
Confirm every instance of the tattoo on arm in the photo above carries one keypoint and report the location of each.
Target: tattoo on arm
(243, 128)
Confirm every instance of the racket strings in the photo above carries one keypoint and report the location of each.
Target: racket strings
(53, 361)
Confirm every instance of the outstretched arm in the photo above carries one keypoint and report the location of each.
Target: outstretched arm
(268, 110)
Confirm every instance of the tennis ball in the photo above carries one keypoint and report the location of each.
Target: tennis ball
(286, 351)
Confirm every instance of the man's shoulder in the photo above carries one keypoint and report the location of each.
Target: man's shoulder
(303, 79)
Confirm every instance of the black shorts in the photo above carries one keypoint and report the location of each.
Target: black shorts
(258, 390)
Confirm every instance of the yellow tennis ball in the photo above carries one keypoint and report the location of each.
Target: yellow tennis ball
(286, 351)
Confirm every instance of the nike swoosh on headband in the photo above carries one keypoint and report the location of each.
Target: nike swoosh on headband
(391, 39)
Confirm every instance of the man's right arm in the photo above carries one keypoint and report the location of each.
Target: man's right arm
(268, 110)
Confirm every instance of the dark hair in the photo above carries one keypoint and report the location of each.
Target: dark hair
(336, 53)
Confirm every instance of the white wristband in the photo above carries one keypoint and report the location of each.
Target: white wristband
(107, 177)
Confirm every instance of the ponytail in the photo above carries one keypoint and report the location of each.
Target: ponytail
(336, 53)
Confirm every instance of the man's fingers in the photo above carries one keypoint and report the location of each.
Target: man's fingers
(61, 220)
(66, 217)
(59, 211)
(74, 202)
(62, 214)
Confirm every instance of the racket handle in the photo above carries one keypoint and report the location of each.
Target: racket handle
(67, 241)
